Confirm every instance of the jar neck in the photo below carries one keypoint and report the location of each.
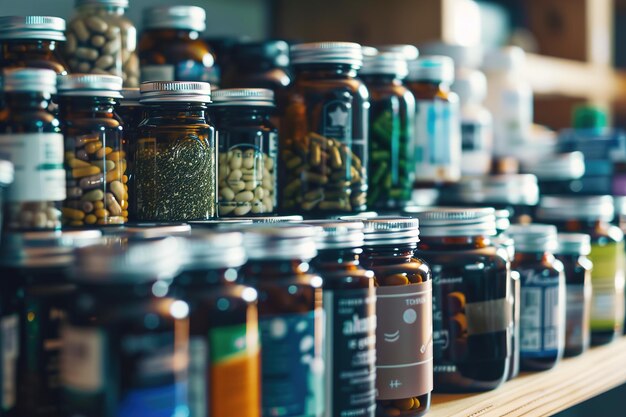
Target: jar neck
(334, 257)
(173, 34)
(206, 277)
(239, 114)
(394, 253)
(381, 79)
(324, 71)
(275, 269)
(175, 109)
(31, 45)
(70, 107)
(107, 8)
(454, 242)
(524, 257)
(35, 100)
(430, 86)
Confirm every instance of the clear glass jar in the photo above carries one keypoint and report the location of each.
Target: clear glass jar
(573, 252)
(542, 303)
(291, 319)
(132, 113)
(102, 40)
(95, 162)
(323, 164)
(350, 313)
(35, 297)
(248, 149)
(170, 47)
(176, 154)
(592, 215)
(404, 374)
(32, 42)
(391, 126)
(130, 357)
(31, 139)
(472, 311)
(224, 349)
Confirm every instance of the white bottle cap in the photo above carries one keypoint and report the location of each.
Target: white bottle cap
(470, 85)
(504, 59)
(435, 68)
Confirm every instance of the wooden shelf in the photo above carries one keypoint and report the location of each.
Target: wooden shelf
(543, 393)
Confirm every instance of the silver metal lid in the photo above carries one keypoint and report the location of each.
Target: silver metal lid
(273, 219)
(348, 53)
(338, 234)
(32, 27)
(518, 189)
(533, 238)
(578, 207)
(281, 241)
(179, 91)
(573, 244)
(175, 17)
(385, 63)
(565, 166)
(445, 221)
(360, 216)
(212, 250)
(390, 230)
(7, 172)
(435, 68)
(257, 97)
(151, 230)
(132, 261)
(409, 52)
(219, 223)
(29, 79)
(130, 97)
(112, 3)
(91, 85)
(502, 220)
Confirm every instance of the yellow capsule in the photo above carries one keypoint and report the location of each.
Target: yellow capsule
(93, 147)
(124, 179)
(73, 214)
(102, 152)
(85, 172)
(77, 163)
(116, 156)
(102, 213)
(90, 219)
(124, 204)
(97, 205)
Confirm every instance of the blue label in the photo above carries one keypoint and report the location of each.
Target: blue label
(150, 402)
(292, 366)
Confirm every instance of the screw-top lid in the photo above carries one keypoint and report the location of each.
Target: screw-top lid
(564, 166)
(385, 63)
(409, 52)
(271, 53)
(464, 56)
(348, 53)
(249, 97)
(32, 27)
(175, 17)
(280, 241)
(434, 68)
(7, 173)
(390, 230)
(515, 189)
(180, 91)
(212, 250)
(563, 208)
(444, 221)
(533, 238)
(338, 234)
(149, 230)
(112, 3)
(573, 244)
(29, 79)
(92, 85)
(130, 97)
(509, 58)
(589, 116)
(503, 220)
(470, 85)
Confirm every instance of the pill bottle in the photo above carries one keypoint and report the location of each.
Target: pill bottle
(31, 139)
(323, 149)
(176, 154)
(573, 251)
(472, 312)
(34, 302)
(391, 123)
(592, 215)
(248, 151)
(95, 161)
(129, 357)
(437, 125)
(170, 47)
(263, 64)
(224, 349)
(32, 42)
(542, 303)
(559, 174)
(131, 113)
(291, 320)
(350, 315)
(102, 40)
(404, 371)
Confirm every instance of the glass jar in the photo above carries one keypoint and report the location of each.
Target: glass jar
(32, 42)
(542, 303)
(573, 252)
(176, 154)
(404, 374)
(131, 113)
(224, 371)
(472, 311)
(391, 124)
(102, 40)
(31, 139)
(129, 357)
(95, 161)
(34, 301)
(170, 47)
(291, 320)
(324, 132)
(437, 123)
(248, 147)
(350, 314)
(592, 215)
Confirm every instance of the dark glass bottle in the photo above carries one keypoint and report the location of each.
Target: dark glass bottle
(259, 65)
(472, 311)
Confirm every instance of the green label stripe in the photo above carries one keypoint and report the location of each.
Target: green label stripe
(230, 343)
(49, 167)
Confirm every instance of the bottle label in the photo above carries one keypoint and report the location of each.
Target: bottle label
(82, 359)
(607, 300)
(404, 349)
(337, 122)
(38, 163)
(184, 71)
(542, 314)
(10, 349)
(577, 313)
(293, 368)
(350, 352)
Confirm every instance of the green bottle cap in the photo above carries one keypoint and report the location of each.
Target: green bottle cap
(588, 116)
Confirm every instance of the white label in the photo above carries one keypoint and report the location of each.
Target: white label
(38, 161)
(10, 348)
(198, 376)
(157, 73)
(82, 359)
